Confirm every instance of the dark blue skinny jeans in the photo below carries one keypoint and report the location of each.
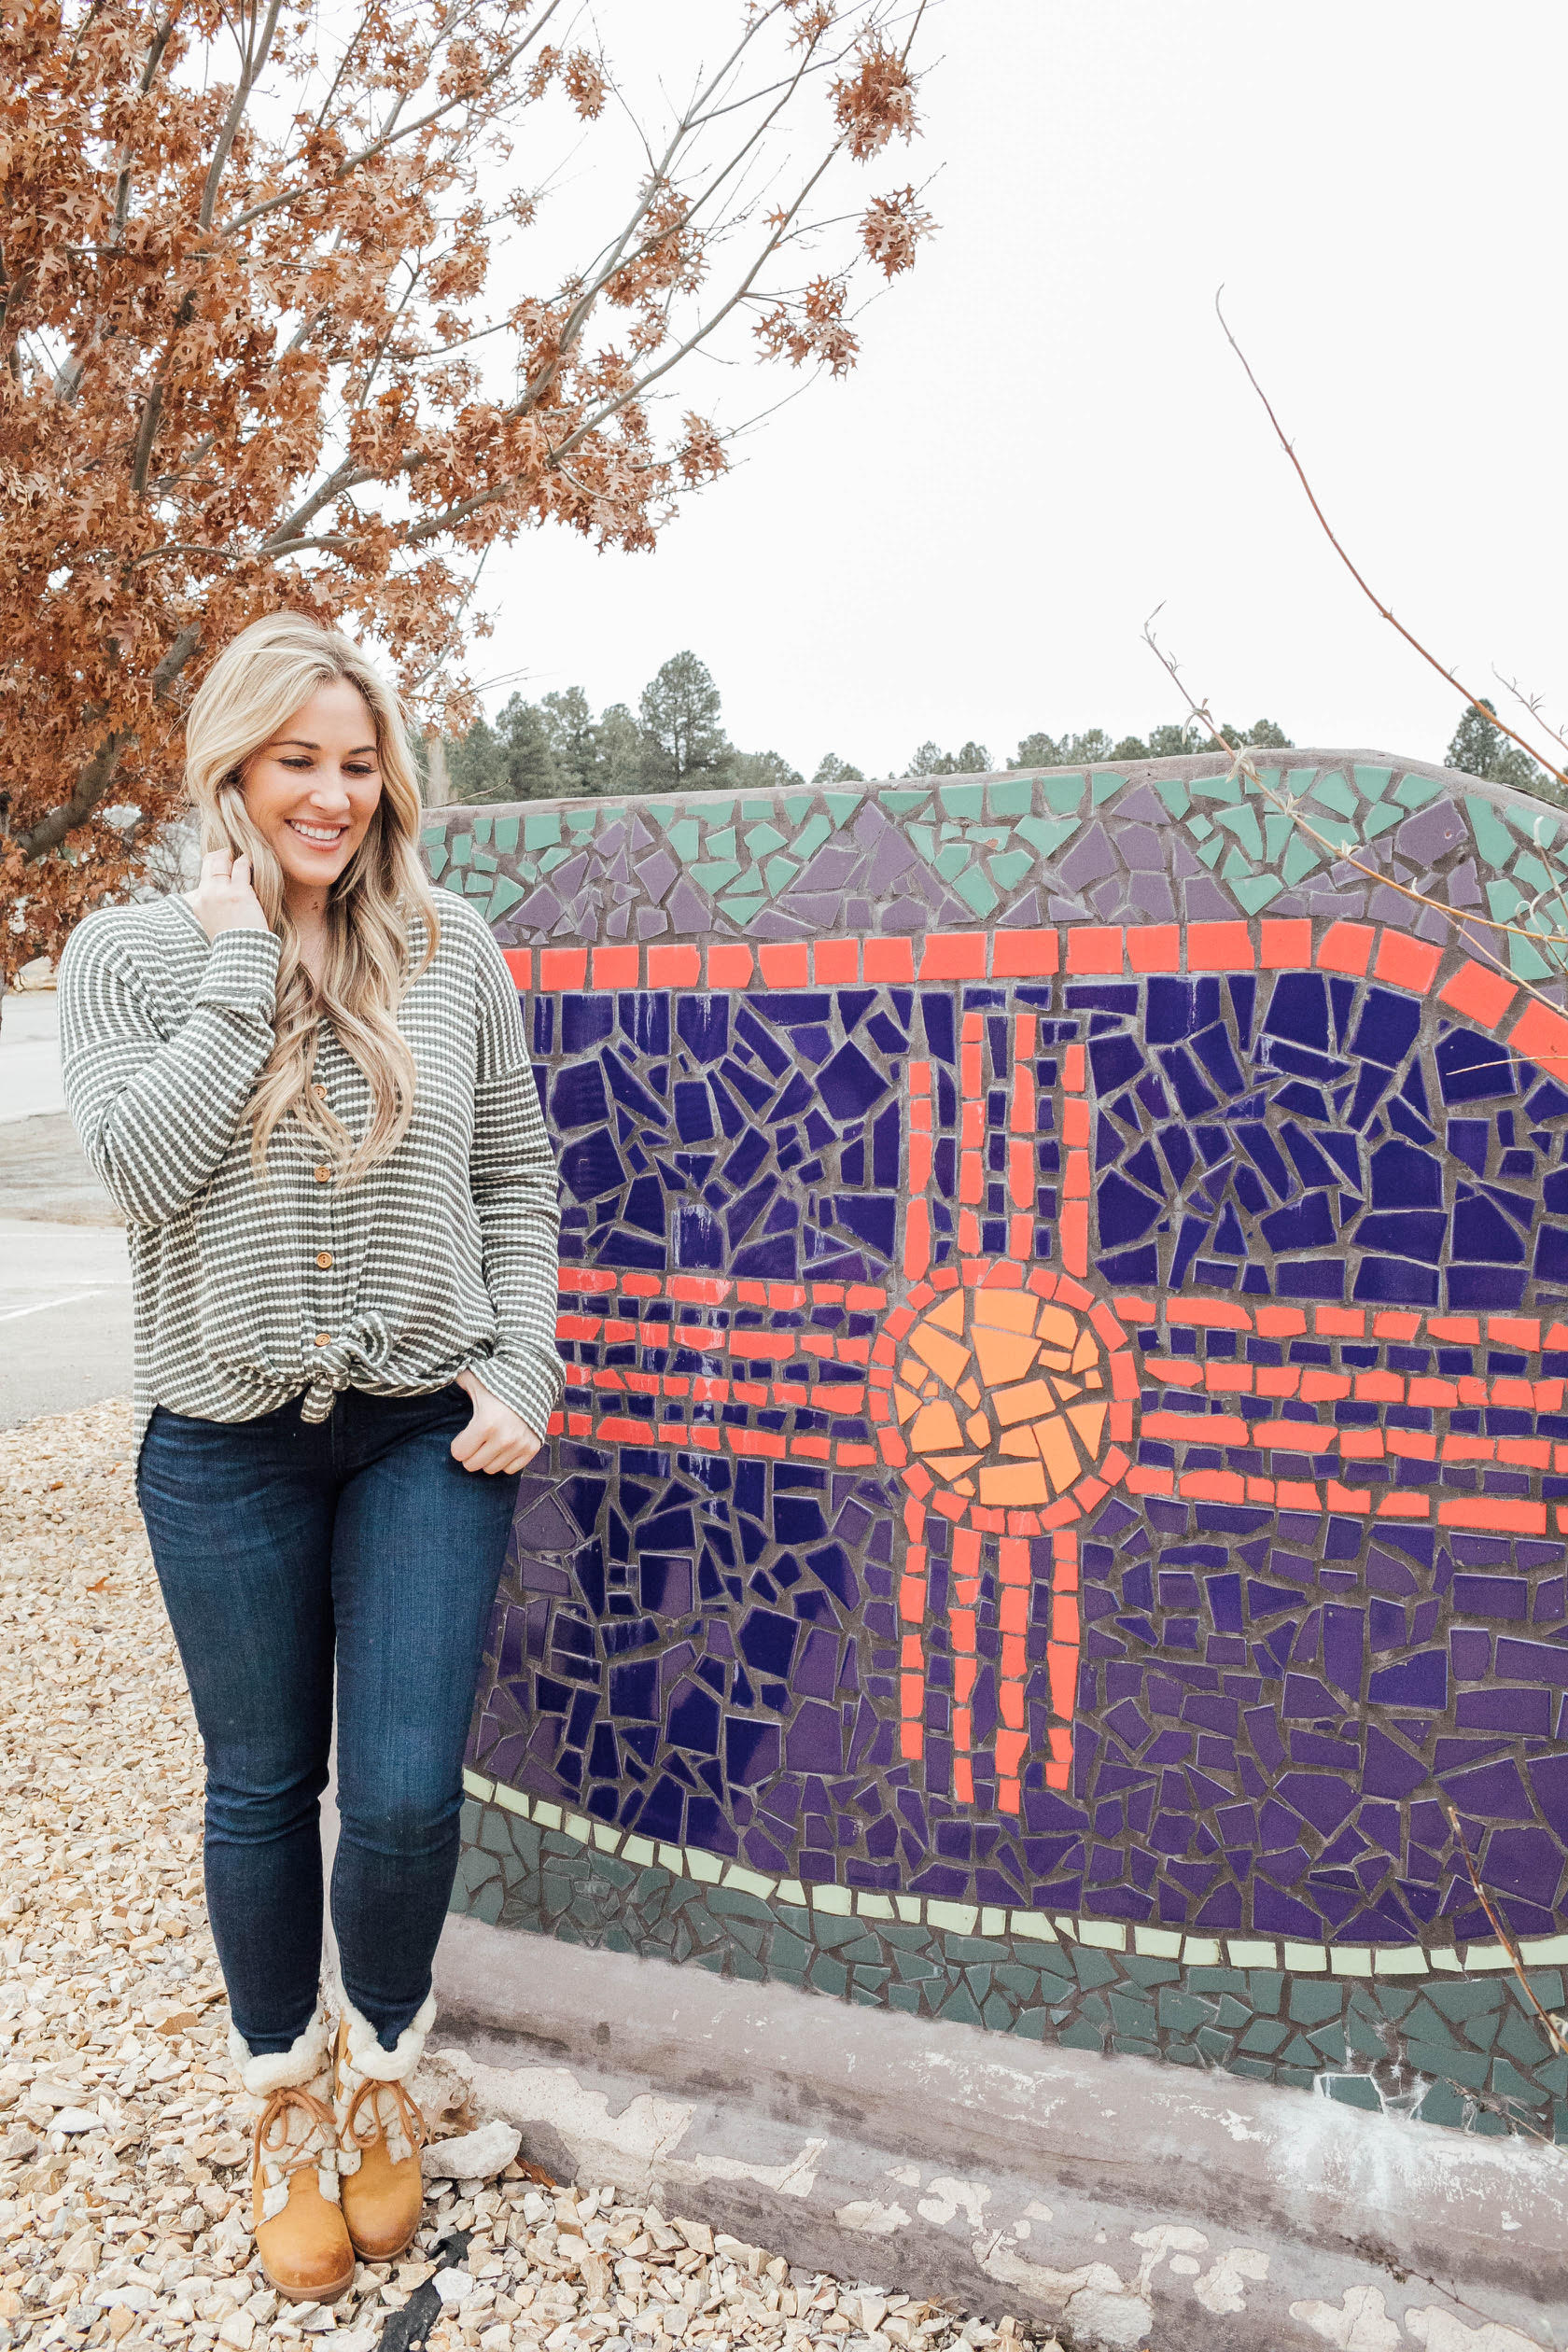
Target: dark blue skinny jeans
(283, 1546)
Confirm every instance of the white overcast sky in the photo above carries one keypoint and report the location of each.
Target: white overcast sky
(1047, 435)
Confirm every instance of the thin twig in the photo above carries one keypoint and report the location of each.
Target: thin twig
(1368, 591)
(1550, 2024)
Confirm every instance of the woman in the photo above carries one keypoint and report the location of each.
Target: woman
(312, 1098)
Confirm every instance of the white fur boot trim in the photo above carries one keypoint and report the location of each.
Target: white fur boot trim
(364, 2061)
(282, 2069)
(366, 2055)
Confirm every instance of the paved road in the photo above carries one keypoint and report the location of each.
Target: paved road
(64, 1317)
(64, 1281)
(29, 1055)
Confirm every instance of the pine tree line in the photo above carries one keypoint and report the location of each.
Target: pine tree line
(555, 748)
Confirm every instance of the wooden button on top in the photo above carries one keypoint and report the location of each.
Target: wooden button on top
(323, 1339)
(323, 1258)
(323, 1175)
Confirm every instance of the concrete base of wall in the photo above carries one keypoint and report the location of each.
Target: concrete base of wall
(1115, 2200)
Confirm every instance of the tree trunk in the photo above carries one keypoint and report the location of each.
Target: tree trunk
(438, 784)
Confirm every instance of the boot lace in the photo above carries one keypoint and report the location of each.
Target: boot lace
(294, 2128)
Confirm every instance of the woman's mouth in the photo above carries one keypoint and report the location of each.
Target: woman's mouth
(319, 836)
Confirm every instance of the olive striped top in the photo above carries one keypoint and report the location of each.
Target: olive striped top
(441, 1259)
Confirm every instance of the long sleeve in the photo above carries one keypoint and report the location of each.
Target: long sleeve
(156, 1114)
(516, 1198)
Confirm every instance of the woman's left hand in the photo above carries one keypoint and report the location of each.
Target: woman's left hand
(496, 1440)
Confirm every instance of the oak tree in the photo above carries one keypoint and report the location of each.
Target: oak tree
(288, 317)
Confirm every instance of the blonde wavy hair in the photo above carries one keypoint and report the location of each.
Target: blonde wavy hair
(255, 686)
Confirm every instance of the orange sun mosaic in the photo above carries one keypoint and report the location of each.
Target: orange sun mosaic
(1004, 1396)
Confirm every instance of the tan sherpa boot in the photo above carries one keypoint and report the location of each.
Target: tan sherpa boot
(295, 2213)
(380, 2131)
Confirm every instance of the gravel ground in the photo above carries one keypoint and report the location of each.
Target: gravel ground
(124, 2140)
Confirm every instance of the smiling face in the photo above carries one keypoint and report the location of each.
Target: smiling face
(312, 790)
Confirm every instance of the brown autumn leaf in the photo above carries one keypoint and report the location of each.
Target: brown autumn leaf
(272, 335)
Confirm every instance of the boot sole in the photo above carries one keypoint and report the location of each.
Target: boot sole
(311, 2294)
(392, 2252)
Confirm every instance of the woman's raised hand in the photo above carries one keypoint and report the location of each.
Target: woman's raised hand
(223, 898)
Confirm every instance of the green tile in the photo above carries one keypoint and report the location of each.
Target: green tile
(951, 860)
(977, 892)
(1254, 2069)
(905, 1997)
(1264, 1987)
(1300, 858)
(1417, 790)
(1373, 783)
(996, 2012)
(1299, 781)
(1181, 2012)
(714, 873)
(1104, 788)
(959, 2007)
(1013, 798)
(1080, 2035)
(1215, 2045)
(1508, 2083)
(842, 805)
(1257, 890)
(1217, 788)
(828, 1975)
(434, 858)
(778, 873)
(1243, 823)
(1468, 2067)
(1378, 820)
(1008, 867)
(505, 835)
(1092, 1969)
(1142, 1967)
(1467, 1997)
(967, 1951)
(742, 911)
(904, 803)
(582, 820)
(550, 858)
(1277, 829)
(1333, 792)
(1064, 794)
(1301, 2052)
(962, 800)
(461, 849)
(1494, 841)
(811, 836)
(1175, 795)
(506, 893)
(1329, 2042)
(759, 839)
(481, 827)
(1263, 2035)
(789, 1955)
(1201, 828)
(1131, 2015)
(1356, 2091)
(1442, 2103)
(1212, 851)
(685, 838)
(1045, 836)
(541, 829)
(1528, 961)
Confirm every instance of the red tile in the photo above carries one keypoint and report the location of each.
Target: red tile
(1094, 947)
(1542, 1034)
(729, 965)
(1287, 946)
(1478, 991)
(836, 960)
(786, 963)
(617, 967)
(673, 967)
(1154, 947)
(1219, 948)
(1409, 963)
(889, 959)
(563, 967)
(1346, 947)
(1024, 955)
(953, 955)
(519, 963)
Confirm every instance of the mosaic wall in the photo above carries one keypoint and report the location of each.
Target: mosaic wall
(1063, 1477)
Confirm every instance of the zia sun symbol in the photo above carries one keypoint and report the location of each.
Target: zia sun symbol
(1003, 1396)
